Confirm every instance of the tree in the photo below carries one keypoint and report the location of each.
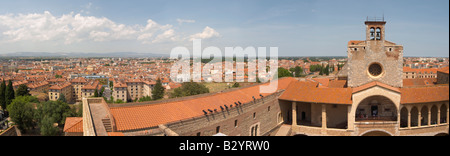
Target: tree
(96, 93)
(48, 127)
(3, 95)
(22, 90)
(189, 89)
(9, 93)
(158, 90)
(102, 90)
(62, 98)
(298, 71)
(327, 70)
(236, 85)
(21, 112)
(284, 73)
(145, 98)
(57, 110)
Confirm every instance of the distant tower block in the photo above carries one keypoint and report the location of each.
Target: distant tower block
(375, 59)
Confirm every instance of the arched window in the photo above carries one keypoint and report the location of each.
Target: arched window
(378, 34)
(372, 33)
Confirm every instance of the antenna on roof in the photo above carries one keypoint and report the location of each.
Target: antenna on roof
(206, 113)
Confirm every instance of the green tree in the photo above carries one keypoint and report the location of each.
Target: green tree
(327, 70)
(48, 127)
(96, 93)
(236, 85)
(21, 112)
(298, 71)
(57, 110)
(189, 89)
(62, 98)
(9, 93)
(3, 95)
(102, 90)
(145, 98)
(284, 73)
(22, 90)
(158, 90)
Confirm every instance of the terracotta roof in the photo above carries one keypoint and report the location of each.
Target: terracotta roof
(355, 42)
(146, 116)
(419, 82)
(120, 85)
(424, 94)
(322, 81)
(115, 134)
(337, 84)
(444, 70)
(422, 70)
(60, 86)
(73, 124)
(309, 92)
(373, 84)
(79, 80)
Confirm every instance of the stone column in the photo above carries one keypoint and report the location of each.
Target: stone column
(324, 116)
(447, 113)
(439, 115)
(420, 118)
(294, 114)
(350, 119)
(409, 117)
(429, 116)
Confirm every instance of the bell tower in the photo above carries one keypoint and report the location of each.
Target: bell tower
(375, 59)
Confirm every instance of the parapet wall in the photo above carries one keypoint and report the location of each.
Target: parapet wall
(259, 115)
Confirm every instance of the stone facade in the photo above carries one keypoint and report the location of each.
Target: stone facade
(365, 53)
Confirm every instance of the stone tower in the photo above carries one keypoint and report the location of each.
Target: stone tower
(375, 59)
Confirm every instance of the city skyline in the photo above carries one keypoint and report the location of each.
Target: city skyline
(298, 28)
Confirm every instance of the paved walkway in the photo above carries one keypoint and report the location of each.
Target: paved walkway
(284, 130)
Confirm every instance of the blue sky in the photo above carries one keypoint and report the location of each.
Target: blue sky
(297, 27)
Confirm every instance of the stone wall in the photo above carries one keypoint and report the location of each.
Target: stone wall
(236, 121)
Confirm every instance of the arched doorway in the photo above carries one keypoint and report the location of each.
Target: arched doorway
(424, 116)
(376, 133)
(434, 115)
(414, 117)
(404, 117)
(444, 114)
(376, 108)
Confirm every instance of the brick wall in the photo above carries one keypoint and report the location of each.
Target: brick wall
(247, 116)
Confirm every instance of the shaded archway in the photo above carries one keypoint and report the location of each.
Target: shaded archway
(404, 117)
(442, 134)
(376, 108)
(443, 114)
(414, 117)
(434, 115)
(424, 116)
(376, 133)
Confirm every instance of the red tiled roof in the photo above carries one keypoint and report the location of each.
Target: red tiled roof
(444, 70)
(355, 42)
(419, 82)
(422, 70)
(146, 116)
(309, 92)
(337, 84)
(424, 94)
(73, 124)
(373, 84)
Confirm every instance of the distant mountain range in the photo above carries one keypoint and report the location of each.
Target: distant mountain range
(82, 54)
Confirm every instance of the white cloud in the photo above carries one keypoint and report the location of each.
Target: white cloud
(207, 33)
(181, 21)
(73, 28)
(76, 28)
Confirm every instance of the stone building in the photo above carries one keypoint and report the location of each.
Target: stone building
(66, 89)
(367, 98)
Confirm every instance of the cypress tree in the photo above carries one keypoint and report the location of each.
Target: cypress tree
(9, 93)
(158, 90)
(3, 95)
